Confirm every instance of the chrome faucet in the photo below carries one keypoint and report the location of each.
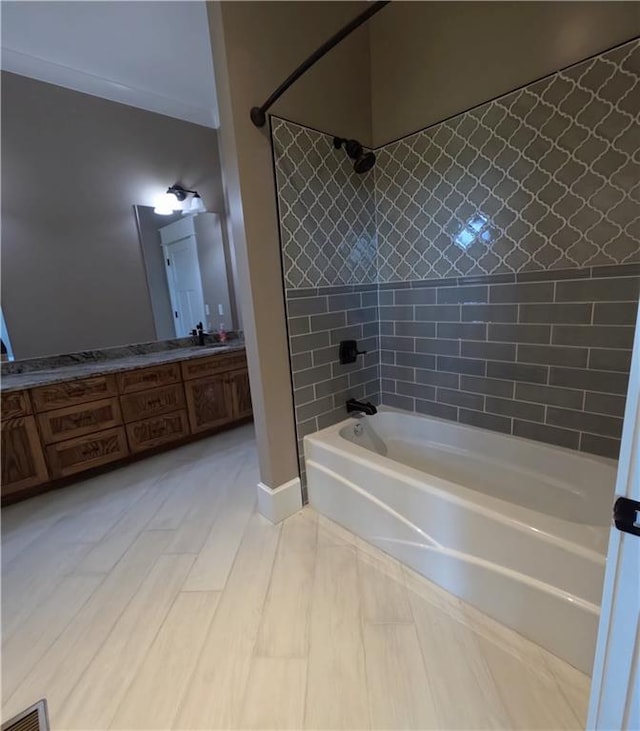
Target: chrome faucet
(359, 408)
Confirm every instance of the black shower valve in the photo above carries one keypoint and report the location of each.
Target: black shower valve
(349, 351)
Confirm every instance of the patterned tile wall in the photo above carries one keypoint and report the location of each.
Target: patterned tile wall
(319, 319)
(544, 355)
(542, 178)
(327, 212)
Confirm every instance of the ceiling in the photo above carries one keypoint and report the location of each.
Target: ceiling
(151, 55)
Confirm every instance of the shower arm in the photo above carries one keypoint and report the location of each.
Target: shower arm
(258, 114)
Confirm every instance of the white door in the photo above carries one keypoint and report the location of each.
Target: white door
(615, 687)
(185, 284)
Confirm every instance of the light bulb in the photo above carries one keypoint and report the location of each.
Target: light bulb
(197, 205)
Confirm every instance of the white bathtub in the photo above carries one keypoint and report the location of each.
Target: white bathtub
(517, 528)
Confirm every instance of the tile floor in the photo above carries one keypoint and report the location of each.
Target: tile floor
(156, 597)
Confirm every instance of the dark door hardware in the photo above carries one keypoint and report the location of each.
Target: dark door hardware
(259, 114)
(626, 515)
(349, 352)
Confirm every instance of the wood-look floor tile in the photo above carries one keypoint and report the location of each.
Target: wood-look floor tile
(153, 698)
(94, 700)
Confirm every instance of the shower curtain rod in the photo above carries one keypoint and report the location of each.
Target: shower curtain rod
(258, 114)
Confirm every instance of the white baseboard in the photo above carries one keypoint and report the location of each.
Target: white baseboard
(280, 503)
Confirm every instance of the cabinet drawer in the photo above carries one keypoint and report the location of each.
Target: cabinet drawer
(75, 421)
(83, 453)
(157, 430)
(156, 401)
(57, 395)
(145, 378)
(200, 367)
(23, 464)
(14, 404)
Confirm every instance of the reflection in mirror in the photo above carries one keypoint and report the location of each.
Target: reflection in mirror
(187, 272)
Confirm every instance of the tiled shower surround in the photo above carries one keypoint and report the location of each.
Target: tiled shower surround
(489, 263)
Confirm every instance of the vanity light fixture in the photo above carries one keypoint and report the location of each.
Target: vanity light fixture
(177, 194)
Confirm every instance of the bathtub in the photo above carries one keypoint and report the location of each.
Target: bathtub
(516, 528)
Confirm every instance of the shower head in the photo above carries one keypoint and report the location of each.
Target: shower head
(363, 161)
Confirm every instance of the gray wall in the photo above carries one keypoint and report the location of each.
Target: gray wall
(431, 60)
(73, 166)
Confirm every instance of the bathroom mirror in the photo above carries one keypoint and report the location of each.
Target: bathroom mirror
(187, 271)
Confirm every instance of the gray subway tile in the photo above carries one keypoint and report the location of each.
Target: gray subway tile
(432, 408)
(351, 332)
(334, 385)
(485, 421)
(613, 289)
(490, 313)
(388, 385)
(340, 399)
(438, 347)
(370, 329)
(396, 343)
(300, 343)
(553, 274)
(364, 375)
(329, 321)
(576, 312)
(307, 306)
(394, 285)
(369, 299)
(415, 297)
(437, 282)
(395, 312)
(437, 378)
(415, 360)
(336, 289)
(438, 313)
(570, 398)
(615, 313)
(303, 395)
(526, 292)
(399, 402)
(460, 365)
(608, 426)
(363, 314)
(387, 328)
(305, 292)
(610, 360)
(605, 336)
(299, 325)
(518, 372)
(462, 295)
(325, 355)
(311, 375)
(552, 355)
(520, 333)
(489, 386)
(602, 446)
(461, 398)
(617, 270)
(315, 408)
(388, 357)
(487, 279)
(306, 427)
(416, 390)
(488, 350)
(385, 298)
(601, 381)
(518, 409)
(344, 301)
(331, 418)
(416, 329)
(301, 361)
(549, 434)
(461, 331)
(599, 403)
(398, 373)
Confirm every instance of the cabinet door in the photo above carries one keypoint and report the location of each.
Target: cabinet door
(240, 393)
(14, 404)
(23, 463)
(209, 403)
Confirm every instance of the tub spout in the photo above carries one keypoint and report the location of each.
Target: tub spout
(358, 407)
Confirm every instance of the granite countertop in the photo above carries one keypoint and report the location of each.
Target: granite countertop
(31, 379)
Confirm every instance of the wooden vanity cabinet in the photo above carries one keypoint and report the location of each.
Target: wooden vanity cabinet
(66, 428)
(23, 462)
